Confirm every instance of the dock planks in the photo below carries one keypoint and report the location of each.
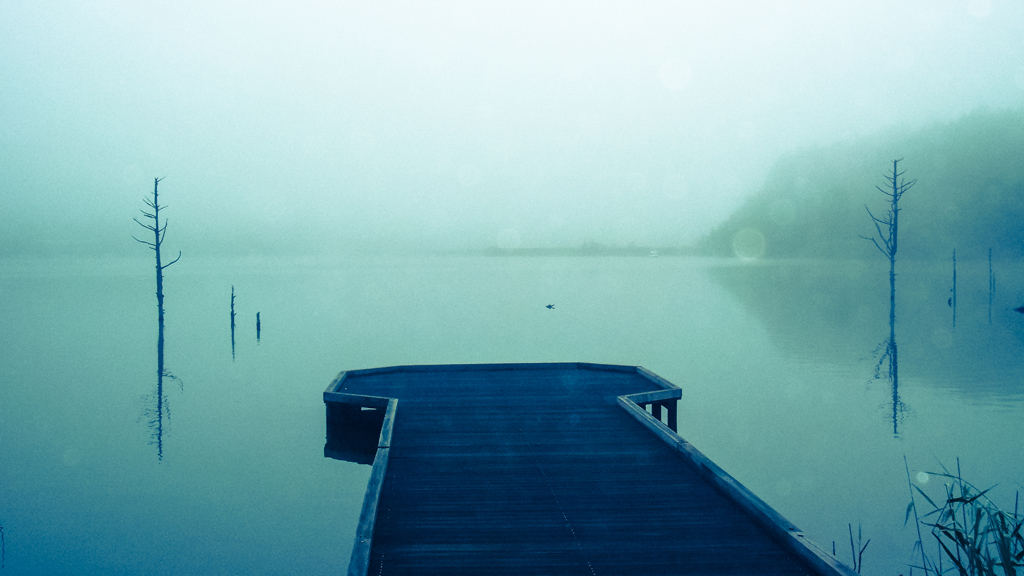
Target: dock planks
(538, 469)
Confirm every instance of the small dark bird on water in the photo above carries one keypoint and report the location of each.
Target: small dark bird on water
(1021, 309)
(550, 306)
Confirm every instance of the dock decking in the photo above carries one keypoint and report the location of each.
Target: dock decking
(545, 469)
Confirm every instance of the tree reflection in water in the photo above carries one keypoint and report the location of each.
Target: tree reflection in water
(890, 358)
(156, 413)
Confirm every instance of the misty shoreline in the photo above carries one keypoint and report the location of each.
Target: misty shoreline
(596, 249)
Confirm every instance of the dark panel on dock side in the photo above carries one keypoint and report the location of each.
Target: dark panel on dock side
(352, 432)
(541, 472)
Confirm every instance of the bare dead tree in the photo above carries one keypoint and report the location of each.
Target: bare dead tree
(887, 240)
(158, 230)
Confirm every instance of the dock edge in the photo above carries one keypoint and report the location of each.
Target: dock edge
(777, 525)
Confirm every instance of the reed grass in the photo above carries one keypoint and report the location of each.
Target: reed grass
(856, 552)
(970, 531)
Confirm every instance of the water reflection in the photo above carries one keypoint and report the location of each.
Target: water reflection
(890, 358)
(827, 311)
(155, 414)
(891, 355)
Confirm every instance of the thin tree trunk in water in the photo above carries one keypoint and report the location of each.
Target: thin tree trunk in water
(158, 240)
(892, 299)
(894, 228)
(892, 277)
(159, 265)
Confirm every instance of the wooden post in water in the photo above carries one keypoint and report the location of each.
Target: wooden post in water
(954, 287)
(232, 322)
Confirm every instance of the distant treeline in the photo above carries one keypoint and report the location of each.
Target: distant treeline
(594, 249)
(969, 195)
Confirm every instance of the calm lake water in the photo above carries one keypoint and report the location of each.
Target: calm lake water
(777, 363)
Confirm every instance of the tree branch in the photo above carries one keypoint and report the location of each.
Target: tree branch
(881, 236)
(888, 250)
(886, 221)
(875, 242)
(150, 244)
(172, 261)
(146, 226)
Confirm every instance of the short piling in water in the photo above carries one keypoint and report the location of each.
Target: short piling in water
(232, 322)
(952, 299)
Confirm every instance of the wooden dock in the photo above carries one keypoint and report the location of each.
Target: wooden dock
(545, 469)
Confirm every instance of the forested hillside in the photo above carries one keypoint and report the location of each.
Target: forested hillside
(969, 195)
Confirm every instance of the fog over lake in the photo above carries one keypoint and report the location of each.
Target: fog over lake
(413, 183)
(344, 126)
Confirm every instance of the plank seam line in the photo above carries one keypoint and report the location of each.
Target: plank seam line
(561, 510)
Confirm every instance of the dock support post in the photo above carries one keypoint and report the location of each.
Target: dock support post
(669, 408)
(656, 411)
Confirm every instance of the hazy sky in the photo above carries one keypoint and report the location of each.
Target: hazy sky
(457, 124)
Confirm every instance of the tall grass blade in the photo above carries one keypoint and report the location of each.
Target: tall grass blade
(921, 492)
